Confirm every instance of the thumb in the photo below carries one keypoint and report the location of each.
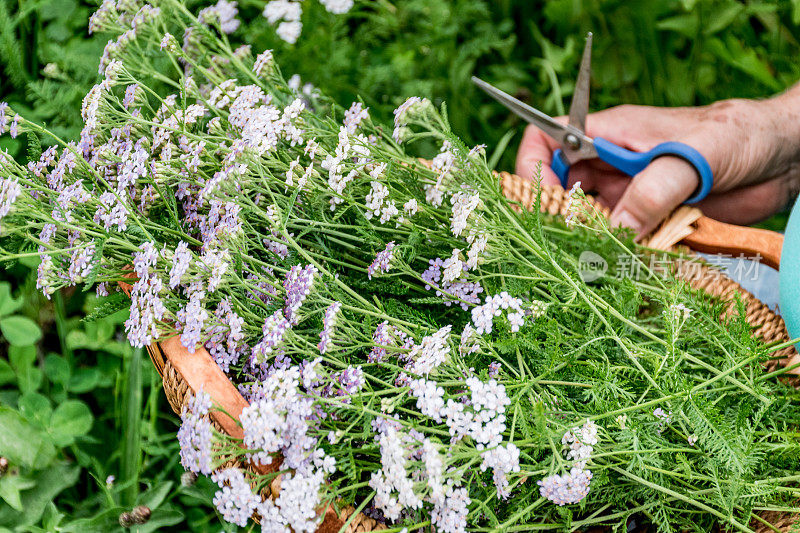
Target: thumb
(654, 193)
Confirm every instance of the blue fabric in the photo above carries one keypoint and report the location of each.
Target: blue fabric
(790, 274)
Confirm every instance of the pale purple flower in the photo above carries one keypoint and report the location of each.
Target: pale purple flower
(181, 261)
(406, 111)
(464, 203)
(273, 330)
(13, 129)
(101, 290)
(225, 343)
(3, 117)
(277, 420)
(382, 261)
(215, 263)
(299, 499)
(354, 116)
(224, 12)
(382, 338)
(298, 283)
(80, 264)
(130, 95)
(146, 305)
(494, 369)
(566, 489)
(111, 212)
(193, 317)
(9, 192)
(263, 63)
(328, 323)
(581, 441)
(430, 353)
(350, 380)
(46, 279)
(451, 515)
(195, 434)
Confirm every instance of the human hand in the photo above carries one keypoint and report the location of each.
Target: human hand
(753, 148)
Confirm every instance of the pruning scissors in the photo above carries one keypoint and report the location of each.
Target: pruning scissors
(577, 146)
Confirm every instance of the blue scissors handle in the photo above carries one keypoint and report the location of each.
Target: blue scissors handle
(631, 163)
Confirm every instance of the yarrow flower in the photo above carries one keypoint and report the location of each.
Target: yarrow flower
(337, 7)
(407, 111)
(235, 500)
(571, 209)
(354, 116)
(10, 190)
(581, 441)
(382, 261)
(328, 323)
(464, 203)
(483, 315)
(382, 338)
(502, 461)
(224, 13)
(146, 305)
(298, 283)
(431, 352)
(567, 488)
(195, 434)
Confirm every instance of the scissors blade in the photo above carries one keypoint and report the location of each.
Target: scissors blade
(579, 106)
(547, 124)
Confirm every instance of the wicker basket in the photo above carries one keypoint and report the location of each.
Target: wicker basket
(183, 373)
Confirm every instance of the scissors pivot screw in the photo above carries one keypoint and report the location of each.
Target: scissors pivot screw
(572, 141)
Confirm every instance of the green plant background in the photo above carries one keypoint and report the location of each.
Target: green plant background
(78, 404)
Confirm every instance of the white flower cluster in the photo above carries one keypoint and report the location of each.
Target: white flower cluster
(235, 500)
(470, 341)
(392, 477)
(295, 506)
(430, 398)
(477, 242)
(287, 14)
(411, 108)
(483, 315)
(277, 421)
(354, 116)
(394, 484)
(567, 488)
(678, 312)
(345, 150)
(664, 418)
(502, 461)
(571, 209)
(464, 203)
(581, 441)
(431, 352)
(572, 487)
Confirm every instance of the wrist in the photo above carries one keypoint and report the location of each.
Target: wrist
(763, 138)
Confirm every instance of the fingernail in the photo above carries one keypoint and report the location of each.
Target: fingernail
(625, 218)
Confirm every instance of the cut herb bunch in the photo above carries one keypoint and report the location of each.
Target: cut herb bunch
(410, 342)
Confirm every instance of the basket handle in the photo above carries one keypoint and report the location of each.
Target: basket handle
(687, 225)
(712, 236)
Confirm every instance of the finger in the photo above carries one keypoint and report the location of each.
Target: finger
(748, 205)
(536, 147)
(654, 193)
